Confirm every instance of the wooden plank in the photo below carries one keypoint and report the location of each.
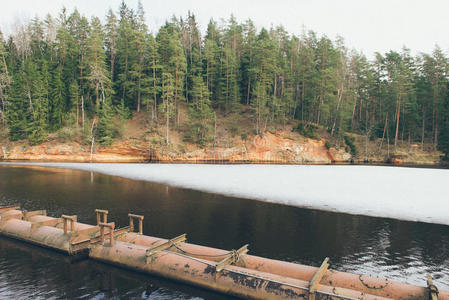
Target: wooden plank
(231, 258)
(315, 282)
(121, 231)
(50, 223)
(7, 208)
(84, 235)
(433, 290)
(29, 214)
(5, 219)
(164, 246)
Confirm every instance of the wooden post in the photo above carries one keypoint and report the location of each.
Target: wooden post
(140, 225)
(111, 227)
(101, 234)
(103, 212)
(111, 234)
(66, 219)
(131, 224)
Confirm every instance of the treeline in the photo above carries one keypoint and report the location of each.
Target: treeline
(74, 71)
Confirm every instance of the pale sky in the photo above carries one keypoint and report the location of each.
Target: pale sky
(366, 25)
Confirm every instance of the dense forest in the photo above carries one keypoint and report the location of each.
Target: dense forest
(71, 71)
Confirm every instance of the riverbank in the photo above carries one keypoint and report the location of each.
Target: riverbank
(281, 147)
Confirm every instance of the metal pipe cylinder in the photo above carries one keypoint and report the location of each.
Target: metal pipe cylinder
(233, 280)
(363, 283)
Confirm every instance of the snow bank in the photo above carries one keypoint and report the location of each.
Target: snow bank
(413, 194)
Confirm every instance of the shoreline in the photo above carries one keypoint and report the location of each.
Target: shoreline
(440, 165)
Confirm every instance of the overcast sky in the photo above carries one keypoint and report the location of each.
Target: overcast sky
(367, 25)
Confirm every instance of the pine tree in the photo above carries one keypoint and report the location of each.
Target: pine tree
(57, 96)
(167, 106)
(173, 60)
(106, 129)
(211, 58)
(200, 113)
(97, 74)
(151, 81)
(264, 70)
(18, 108)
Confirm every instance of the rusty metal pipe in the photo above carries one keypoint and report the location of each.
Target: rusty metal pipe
(232, 280)
(362, 283)
(48, 232)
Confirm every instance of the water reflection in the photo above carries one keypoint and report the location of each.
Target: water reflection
(398, 250)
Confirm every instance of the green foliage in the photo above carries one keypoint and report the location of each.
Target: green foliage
(106, 129)
(307, 130)
(327, 144)
(200, 114)
(67, 134)
(350, 142)
(88, 70)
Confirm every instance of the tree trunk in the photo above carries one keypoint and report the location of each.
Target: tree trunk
(154, 94)
(77, 112)
(138, 95)
(422, 132)
(92, 137)
(383, 134)
(167, 122)
(436, 131)
(398, 108)
(82, 110)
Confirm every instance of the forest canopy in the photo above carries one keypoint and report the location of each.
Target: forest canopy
(71, 71)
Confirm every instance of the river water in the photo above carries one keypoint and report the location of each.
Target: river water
(398, 250)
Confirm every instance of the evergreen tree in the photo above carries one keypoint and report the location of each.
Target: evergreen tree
(200, 112)
(106, 129)
(18, 108)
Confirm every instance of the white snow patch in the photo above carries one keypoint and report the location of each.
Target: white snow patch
(413, 194)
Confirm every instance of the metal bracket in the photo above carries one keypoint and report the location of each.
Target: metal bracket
(168, 244)
(231, 258)
(433, 290)
(131, 222)
(315, 282)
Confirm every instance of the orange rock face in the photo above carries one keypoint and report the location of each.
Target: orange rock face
(266, 148)
(269, 147)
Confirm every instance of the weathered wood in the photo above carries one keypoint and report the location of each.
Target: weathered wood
(164, 246)
(433, 290)
(231, 258)
(131, 222)
(51, 223)
(7, 208)
(103, 212)
(315, 282)
(4, 219)
(111, 227)
(72, 220)
(29, 214)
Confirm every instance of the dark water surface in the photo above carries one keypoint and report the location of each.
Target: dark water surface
(398, 250)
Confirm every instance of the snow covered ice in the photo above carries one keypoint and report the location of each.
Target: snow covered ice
(413, 194)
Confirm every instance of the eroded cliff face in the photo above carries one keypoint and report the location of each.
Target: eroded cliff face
(262, 148)
(270, 147)
(73, 152)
